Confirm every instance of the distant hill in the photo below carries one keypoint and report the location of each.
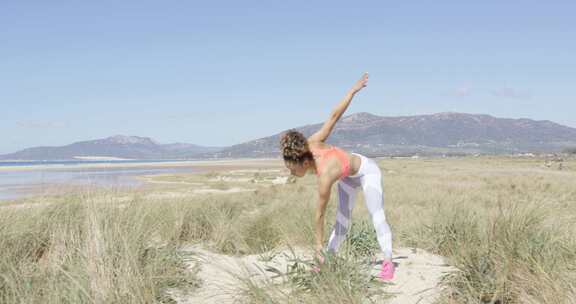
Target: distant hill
(119, 146)
(441, 133)
(372, 135)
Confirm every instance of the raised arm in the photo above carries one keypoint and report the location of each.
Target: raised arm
(326, 129)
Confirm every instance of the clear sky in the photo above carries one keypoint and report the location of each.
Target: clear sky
(219, 73)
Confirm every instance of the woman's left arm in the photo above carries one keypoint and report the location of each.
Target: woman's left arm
(326, 129)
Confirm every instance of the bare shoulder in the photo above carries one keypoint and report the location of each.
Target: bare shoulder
(313, 144)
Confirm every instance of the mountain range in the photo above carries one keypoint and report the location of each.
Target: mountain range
(434, 134)
(372, 135)
(119, 146)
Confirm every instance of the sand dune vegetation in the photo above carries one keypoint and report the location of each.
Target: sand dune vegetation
(504, 226)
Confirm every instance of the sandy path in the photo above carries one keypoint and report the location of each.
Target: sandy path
(417, 275)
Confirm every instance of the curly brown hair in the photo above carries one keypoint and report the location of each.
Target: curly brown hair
(294, 147)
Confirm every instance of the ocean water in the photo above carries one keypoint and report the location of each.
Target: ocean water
(21, 183)
(76, 162)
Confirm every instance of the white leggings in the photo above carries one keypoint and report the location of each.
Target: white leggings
(369, 178)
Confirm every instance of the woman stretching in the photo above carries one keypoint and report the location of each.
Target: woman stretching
(352, 171)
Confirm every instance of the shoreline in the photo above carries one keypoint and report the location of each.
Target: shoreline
(144, 164)
(30, 190)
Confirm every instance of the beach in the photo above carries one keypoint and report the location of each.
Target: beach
(47, 179)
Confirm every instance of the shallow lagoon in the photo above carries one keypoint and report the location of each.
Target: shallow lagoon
(18, 183)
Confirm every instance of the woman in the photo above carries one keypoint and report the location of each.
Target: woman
(352, 171)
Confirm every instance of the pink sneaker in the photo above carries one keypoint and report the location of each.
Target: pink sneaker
(387, 272)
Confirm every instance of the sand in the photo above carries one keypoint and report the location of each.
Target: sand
(417, 278)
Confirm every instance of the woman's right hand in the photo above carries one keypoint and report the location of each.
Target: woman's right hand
(360, 83)
(318, 261)
(320, 257)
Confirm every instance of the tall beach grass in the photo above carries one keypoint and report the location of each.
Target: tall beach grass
(506, 224)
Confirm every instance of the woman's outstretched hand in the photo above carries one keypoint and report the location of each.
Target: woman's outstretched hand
(360, 83)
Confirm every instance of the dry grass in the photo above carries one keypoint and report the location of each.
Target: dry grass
(507, 224)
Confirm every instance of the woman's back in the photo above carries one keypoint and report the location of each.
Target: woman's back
(323, 152)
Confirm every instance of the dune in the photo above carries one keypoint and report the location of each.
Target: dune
(417, 278)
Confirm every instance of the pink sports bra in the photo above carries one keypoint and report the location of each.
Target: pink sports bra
(324, 154)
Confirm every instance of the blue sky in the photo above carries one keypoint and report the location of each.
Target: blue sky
(223, 72)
